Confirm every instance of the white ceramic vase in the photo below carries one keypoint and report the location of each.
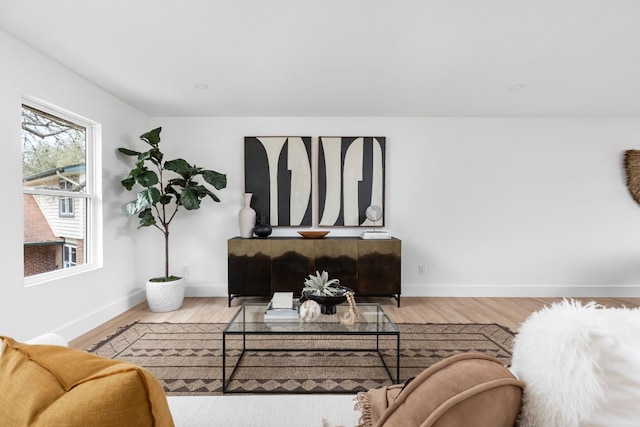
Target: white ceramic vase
(165, 296)
(247, 217)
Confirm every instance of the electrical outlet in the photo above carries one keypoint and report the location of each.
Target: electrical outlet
(185, 270)
(421, 269)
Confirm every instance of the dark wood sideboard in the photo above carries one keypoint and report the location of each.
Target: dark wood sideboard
(260, 267)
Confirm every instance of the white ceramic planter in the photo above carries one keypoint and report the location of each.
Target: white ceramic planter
(165, 296)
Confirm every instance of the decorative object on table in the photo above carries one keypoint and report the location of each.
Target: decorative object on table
(283, 306)
(286, 197)
(326, 292)
(632, 168)
(262, 228)
(354, 314)
(157, 204)
(313, 234)
(320, 284)
(351, 177)
(246, 217)
(374, 214)
(309, 310)
(282, 300)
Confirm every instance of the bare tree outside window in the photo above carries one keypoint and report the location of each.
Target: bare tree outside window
(49, 142)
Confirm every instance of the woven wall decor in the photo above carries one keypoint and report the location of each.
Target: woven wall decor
(632, 167)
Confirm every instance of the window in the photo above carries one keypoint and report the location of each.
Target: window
(69, 255)
(59, 197)
(66, 203)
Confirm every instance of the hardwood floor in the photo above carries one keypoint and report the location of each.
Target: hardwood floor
(509, 312)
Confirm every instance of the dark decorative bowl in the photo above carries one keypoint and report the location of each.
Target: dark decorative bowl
(328, 303)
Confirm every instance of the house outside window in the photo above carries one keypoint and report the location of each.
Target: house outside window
(60, 200)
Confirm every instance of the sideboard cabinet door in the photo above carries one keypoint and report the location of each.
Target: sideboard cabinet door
(292, 260)
(249, 267)
(379, 267)
(339, 258)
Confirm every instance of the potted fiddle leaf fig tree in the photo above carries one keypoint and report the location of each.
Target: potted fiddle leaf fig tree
(164, 188)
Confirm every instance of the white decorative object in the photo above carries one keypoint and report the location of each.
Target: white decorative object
(579, 364)
(309, 310)
(372, 235)
(247, 217)
(374, 213)
(165, 296)
(282, 300)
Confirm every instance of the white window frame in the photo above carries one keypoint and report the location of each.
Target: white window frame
(93, 193)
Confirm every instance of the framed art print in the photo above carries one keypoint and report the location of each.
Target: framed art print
(351, 177)
(277, 170)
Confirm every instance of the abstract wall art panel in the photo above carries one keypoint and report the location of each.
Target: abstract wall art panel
(277, 170)
(351, 177)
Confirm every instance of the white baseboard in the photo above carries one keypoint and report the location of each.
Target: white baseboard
(523, 291)
(96, 318)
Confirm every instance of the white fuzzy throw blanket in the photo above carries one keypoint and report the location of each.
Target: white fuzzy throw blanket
(580, 365)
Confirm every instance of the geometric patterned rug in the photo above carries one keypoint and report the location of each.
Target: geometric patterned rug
(187, 357)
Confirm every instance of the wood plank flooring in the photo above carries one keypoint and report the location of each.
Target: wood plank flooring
(509, 312)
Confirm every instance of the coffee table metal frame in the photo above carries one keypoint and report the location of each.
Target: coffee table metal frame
(249, 321)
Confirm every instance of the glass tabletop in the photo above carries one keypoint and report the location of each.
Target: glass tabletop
(251, 319)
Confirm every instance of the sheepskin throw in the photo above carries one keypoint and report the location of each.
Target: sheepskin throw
(580, 365)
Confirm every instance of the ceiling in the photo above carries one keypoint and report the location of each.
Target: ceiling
(346, 57)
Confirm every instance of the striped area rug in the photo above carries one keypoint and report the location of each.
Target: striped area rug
(187, 357)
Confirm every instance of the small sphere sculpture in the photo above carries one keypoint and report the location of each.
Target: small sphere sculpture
(309, 310)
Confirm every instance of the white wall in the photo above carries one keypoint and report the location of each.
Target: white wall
(491, 206)
(73, 305)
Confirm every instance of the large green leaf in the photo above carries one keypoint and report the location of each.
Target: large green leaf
(156, 156)
(176, 182)
(146, 198)
(128, 183)
(128, 152)
(181, 167)
(189, 199)
(217, 179)
(152, 137)
(146, 178)
(130, 208)
(146, 218)
(165, 199)
(154, 194)
(207, 192)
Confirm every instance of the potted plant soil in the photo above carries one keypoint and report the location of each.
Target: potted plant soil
(165, 188)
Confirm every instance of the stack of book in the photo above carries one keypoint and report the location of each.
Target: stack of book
(283, 306)
(375, 235)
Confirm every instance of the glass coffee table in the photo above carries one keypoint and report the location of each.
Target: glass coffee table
(248, 331)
